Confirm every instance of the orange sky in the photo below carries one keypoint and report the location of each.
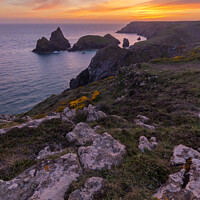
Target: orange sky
(100, 11)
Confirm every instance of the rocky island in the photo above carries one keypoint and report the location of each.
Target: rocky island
(131, 131)
(57, 43)
(94, 42)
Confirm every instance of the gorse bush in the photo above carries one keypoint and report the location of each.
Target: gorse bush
(80, 103)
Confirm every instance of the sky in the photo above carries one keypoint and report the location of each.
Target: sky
(97, 11)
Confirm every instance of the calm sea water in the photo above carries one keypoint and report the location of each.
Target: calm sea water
(27, 78)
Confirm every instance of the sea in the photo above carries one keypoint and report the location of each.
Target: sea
(27, 78)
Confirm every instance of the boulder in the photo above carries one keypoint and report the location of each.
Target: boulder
(58, 40)
(184, 184)
(145, 144)
(94, 42)
(44, 46)
(81, 135)
(92, 187)
(110, 37)
(104, 152)
(142, 120)
(125, 42)
(139, 39)
(93, 114)
(48, 180)
(67, 113)
(181, 153)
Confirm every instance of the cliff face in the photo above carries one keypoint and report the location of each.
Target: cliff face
(166, 32)
(107, 60)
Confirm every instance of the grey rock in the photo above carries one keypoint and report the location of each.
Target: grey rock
(46, 181)
(93, 114)
(93, 186)
(145, 144)
(143, 118)
(31, 124)
(104, 152)
(67, 113)
(139, 123)
(177, 186)
(47, 152)
(81, 135)
(181, 153)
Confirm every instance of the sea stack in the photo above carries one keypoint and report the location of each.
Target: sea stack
(125, 42)
(44, 46)
(57, 43)
(58, 40)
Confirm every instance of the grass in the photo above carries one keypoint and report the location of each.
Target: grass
(170, 97)
(19, 147)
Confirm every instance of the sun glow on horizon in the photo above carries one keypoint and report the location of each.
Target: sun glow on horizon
(39, 11)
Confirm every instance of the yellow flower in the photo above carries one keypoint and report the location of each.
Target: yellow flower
(94, 96)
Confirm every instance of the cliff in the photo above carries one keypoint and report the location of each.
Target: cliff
(165, 32)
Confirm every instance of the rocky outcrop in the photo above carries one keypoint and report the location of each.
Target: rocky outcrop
(104, 64)
(125, 42)
(92, 187)
(94, 42)
(142, 121)
(181, 153)
(58, 40)
(104, 152)
(81, 135)
(145, 144)
(32, 123)
(46, 181)
(184, 184)
(110, 37)
(108, 60)
(93, 114)
(57, 43)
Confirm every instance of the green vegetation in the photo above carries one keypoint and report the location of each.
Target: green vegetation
(167, 93)
(19, 147)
